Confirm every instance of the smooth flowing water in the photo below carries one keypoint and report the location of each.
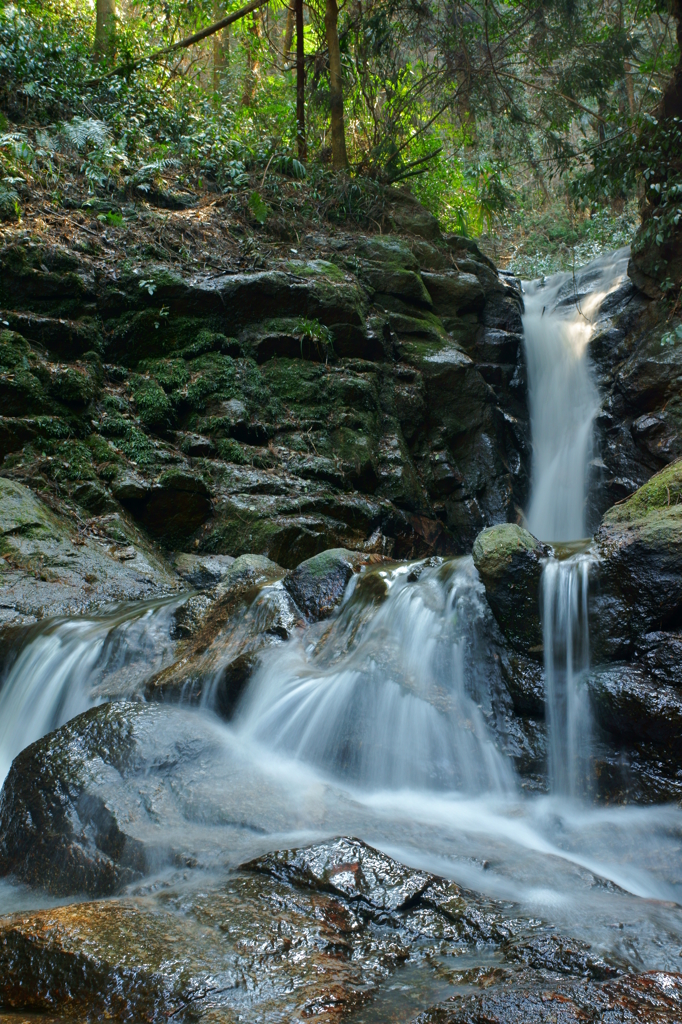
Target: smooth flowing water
(558, 323)
(392, 722)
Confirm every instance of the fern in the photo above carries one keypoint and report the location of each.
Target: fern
(79, 133)
(9, 203)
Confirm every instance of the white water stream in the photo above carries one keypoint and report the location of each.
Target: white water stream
(558, 323)
(391, 721)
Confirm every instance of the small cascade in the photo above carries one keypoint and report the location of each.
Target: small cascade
(567, 657)
(390, 696)
(71, 665)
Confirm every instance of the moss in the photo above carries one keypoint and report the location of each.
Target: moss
(153, 405)
(73, 385)
(315, 268)
(296, 382)
(232, 451)
(146, 334)
(15, 351)
(137, 447)
(388, 250)
(662, 491)
(211, 341)
(169, 373)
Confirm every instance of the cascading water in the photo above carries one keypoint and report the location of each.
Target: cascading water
(558, 323)
(402, 707)
(70, 665)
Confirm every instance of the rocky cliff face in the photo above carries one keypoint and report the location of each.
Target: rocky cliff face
(364, 391)
(637, 357)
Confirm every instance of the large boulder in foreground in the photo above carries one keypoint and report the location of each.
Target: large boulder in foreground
(294, 934)
(509, 561)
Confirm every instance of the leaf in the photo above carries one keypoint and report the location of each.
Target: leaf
(258, 208)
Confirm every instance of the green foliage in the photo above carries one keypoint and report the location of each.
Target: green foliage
(258, 208)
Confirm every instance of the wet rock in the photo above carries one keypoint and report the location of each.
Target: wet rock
(629, 704)
(509, 562)
(174, 507)
(54, 832)
(249, 611)
(49, 567)
(202, 571)
(637, 583)
(318, 584)
(351, 870)
(254, 949)
(525, 680)
(267, 944)
(654, 997)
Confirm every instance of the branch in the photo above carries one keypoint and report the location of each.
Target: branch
(415, 163)
(541, 88)
(210, 30)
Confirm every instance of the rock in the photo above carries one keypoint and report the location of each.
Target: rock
(250, 611)
(637, 583)
(274, 411)
(51, 568)
(654, 997)
(632, 706)
(509, 561)
(202, 571)
(286, 935)
(405, 214)
(54, 831)
(318, 584)
(174, 507)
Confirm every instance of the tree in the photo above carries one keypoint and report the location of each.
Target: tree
(331, 18)
(300, 84)
(221, 47)
(105, 29)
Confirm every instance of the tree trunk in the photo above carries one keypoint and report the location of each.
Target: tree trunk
(629, 85)
(105, 29)
(251, 47)
(221, 47)
(289, 30)
(300, 84)
(331, 18)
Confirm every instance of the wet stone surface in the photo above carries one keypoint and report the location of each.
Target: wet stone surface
(316, 932)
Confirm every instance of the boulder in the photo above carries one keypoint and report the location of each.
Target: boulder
(55, 830)
(637, 582)
(318, 931)
(318, 584)
(509, 561)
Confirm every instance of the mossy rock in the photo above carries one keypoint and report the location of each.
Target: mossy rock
(638, 579)
(509, 561)
(318, 584)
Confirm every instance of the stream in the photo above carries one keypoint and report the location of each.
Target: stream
(388, 721)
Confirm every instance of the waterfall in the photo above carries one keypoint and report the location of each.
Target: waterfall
(69, 665)
(558, 323)
(567, 655)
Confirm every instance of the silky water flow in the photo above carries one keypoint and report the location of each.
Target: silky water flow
(391, 721)
(558, 323)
